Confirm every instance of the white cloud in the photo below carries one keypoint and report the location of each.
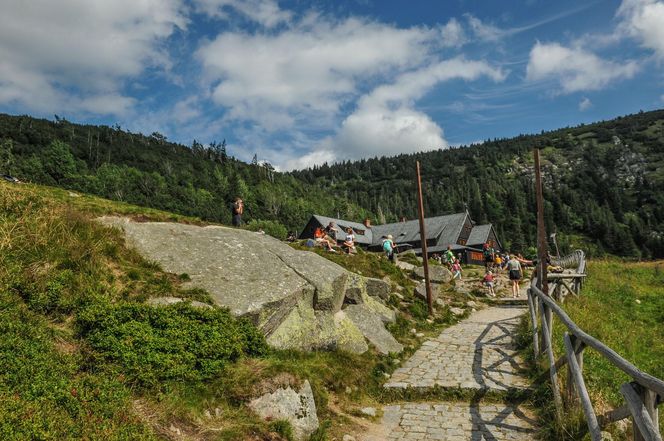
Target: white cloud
(585, 104)
(306, 72)
(317, 157)
(484, 31)
(452, 34)
(386, 122)
(575, 69)
(73, 55)
(644, 21)
(266, 12)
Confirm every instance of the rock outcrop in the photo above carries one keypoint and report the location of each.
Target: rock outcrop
(437, 273)
(298, 408)
(298, 299)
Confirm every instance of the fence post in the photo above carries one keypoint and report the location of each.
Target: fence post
(578, 347)
(533, 319)
(650, 402)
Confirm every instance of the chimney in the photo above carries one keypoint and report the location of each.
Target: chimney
(367, 223)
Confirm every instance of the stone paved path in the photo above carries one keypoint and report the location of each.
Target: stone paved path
(457, 422)
(477, 354)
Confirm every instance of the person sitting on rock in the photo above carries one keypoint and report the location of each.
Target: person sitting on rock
(331, 235)
(349, 243)
(320, 238)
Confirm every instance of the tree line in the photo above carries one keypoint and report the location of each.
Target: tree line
(603, 181)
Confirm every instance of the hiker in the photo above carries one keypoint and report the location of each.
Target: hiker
(237, 209)
(514, 267)
(321, 239)
(498, 261)
(291, 237)
(456, 269)
(488, 254)
(331, 235)
(488, 282)
(388, 247)
(448, 257)
(349, 243)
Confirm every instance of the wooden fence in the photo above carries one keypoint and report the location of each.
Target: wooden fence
(642, 395)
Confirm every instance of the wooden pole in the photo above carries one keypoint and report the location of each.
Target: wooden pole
(423, 239)
(542, 251)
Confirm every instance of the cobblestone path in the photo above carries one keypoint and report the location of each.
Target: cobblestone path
(476, 354)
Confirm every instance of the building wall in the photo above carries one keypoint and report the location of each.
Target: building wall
(465, 231)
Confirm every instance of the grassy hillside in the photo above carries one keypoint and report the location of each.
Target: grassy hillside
(83, 357)
(622, 305)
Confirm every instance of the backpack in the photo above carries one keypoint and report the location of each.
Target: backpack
(387, 246)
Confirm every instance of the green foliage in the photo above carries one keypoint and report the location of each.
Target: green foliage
(601, 180)
(283, 428)
(46, 394)
(622, 305)
(273, 228)
(172, 343)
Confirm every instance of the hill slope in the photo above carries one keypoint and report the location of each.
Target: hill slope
(603, 181)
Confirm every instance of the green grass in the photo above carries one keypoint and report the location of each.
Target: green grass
(82, 356)
(622, 305)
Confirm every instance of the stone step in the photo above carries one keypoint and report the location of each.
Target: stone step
(457, 422)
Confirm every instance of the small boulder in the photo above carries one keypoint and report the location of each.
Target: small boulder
(405, 266)
(421, 292)
(165, 301)
(298, 408)
(437, 273)
(378, 288)
(369, 411)
(471, 304)
(348, 438)
(457, 311)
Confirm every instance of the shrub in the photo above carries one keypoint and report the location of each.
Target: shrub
(273, 228)
(159, 344)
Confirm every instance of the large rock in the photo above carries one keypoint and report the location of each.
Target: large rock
(307, 329)
(294, 297)
(298, 408)
(372, 327)
(437, 273)
(421, 292)
(378, 288)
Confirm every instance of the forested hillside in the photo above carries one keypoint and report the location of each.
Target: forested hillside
(604, 181)
(200, 180)
(604, 185)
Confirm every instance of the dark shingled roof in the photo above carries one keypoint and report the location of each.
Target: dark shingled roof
(445, 229)
(479, 234)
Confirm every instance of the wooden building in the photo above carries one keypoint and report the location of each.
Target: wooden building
(454, 230)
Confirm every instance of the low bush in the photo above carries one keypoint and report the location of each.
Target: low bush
(273, 228)
(152, 345)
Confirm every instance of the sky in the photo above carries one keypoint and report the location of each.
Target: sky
(300, 83)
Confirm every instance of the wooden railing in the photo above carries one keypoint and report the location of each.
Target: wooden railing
(642, 395)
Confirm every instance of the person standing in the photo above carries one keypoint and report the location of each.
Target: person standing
(237, 209)
(515, 272)
(388, 247)
(488, 282)
(489, 257)
(456, 269)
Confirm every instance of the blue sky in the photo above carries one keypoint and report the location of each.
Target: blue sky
(304, 82)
